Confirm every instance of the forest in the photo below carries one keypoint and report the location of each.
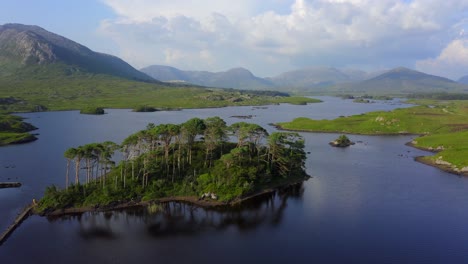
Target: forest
(194, 158)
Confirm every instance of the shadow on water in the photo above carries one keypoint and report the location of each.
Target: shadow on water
(182, 219)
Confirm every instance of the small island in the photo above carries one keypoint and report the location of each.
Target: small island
(92, 110)
(342, 142)
(191, 162)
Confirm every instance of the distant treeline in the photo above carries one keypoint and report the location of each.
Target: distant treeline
(258, 92)
(440, 96)
(366, 96)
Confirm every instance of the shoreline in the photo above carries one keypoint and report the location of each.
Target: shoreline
(193, 200)
(443, 167)
(279, 127)
(421, 159)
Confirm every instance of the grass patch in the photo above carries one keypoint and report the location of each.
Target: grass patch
(7, 138)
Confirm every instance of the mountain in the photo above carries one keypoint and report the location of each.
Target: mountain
(463, 80)
(165, 73)
(310, 78)
(26, 47)
(402, 80)
(238, 78)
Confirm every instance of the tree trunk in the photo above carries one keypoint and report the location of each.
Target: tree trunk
(77, 171)
(67, 174)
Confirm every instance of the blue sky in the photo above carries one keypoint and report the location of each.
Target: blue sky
(264, 36)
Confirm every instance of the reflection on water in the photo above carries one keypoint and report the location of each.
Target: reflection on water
(182, 219)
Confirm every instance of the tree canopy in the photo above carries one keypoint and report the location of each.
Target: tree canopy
(186, 159)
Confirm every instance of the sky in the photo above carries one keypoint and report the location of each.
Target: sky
(267, 37)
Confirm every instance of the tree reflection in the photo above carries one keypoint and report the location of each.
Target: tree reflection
(181, 219)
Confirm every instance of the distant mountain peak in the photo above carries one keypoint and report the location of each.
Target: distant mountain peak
(26, 45)
(240, 72)
(239, 77)
(402, 69)
(402, 73)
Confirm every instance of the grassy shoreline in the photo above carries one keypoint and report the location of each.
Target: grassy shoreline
(442, 127)
(13, 130)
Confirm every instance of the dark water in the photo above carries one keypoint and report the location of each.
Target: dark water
(370, 203)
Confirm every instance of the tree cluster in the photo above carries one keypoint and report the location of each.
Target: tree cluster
(185, 159)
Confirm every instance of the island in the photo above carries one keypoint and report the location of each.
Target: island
(91, 110)
(341, 142)
(441, 124)
(202, 161)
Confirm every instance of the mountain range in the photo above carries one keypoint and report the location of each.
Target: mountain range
(31, 53)
(234, 78)
(315, 79)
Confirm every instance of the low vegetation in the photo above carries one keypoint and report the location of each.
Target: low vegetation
(439, 96)
(13, 130)
(92, 110)
(443, 124)
(188, 159)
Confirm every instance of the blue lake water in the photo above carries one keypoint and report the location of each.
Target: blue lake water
(370, 203)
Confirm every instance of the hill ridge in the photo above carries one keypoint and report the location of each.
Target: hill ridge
(24, 45)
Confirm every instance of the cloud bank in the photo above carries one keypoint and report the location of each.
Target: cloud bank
(272, 36)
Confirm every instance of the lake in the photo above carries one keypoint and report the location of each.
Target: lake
(369, 203)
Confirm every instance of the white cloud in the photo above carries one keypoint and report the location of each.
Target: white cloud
(276, 35)
(452, 61)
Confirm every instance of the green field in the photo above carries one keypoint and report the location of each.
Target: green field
(442, 124)
(80, 90)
